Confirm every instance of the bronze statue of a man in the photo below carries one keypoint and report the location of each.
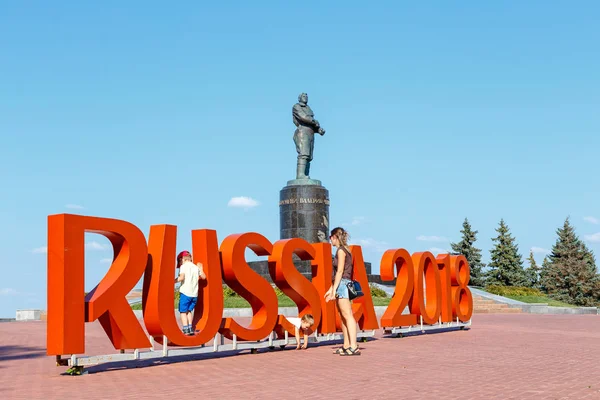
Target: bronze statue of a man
(304, 136)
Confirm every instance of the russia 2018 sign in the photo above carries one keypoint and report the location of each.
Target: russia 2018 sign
(433, 288)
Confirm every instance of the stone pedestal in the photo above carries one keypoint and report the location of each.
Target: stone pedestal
(262, 267)
(304, 211)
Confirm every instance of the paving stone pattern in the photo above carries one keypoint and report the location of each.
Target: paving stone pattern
(503, 356)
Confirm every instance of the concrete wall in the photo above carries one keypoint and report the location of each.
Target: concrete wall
(534, 308)
(29, 315)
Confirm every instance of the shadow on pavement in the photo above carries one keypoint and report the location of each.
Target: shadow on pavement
(116, 366)
(417, 332)
(8, 353)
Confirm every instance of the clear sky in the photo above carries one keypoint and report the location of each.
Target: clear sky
(162, 113)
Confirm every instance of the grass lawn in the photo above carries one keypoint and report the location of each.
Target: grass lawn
(284, 301)
(540, 299)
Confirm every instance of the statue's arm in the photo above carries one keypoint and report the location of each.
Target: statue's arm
(302, 117)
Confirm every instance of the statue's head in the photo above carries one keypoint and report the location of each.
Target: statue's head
(303, 98)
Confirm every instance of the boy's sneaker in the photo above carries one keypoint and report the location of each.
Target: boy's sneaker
(186, 331)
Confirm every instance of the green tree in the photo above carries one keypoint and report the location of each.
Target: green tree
(471, 253)
(570, 274)
(543, 274)
(533, 272)
(506, 266)
(590, 259)
(591, 263)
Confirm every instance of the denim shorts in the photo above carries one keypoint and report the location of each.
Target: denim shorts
(186, 304)
(342, 290)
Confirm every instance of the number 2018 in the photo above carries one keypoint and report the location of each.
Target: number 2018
(434, 288)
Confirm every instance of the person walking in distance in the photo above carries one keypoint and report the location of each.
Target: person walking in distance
(342, 264)
(189, 274)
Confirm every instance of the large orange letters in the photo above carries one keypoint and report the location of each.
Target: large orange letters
(209, 309)
(322, 271)
(446, 296)
(67, 310)
(462, 299)
(364, 304)
(443, 262)
(428, 305)
(250, 285)
(291, 282)
(405, 282)
(159, 316)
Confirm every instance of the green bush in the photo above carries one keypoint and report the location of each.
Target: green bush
(376, 291)
(228, 292)
(278, 292)
(512, 291)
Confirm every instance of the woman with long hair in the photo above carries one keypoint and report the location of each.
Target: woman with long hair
(342, 264)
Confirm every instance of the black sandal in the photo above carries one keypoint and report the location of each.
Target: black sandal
(351, 352)
(340, 351)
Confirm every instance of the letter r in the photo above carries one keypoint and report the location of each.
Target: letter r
(67, 308)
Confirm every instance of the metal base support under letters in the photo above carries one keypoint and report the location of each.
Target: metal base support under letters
(219, 345)
(422, 328)
(77, 363)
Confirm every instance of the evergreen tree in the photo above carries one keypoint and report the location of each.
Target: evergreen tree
(506, 266)
(571, 274)
(591, 263)
(544, 274)
(590, 259)
(533, 272)
(471, 253)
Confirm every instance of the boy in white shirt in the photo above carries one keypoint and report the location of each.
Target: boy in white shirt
(189, 273)
(302, 324)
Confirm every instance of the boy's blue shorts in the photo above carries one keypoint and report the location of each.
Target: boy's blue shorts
(186, 304)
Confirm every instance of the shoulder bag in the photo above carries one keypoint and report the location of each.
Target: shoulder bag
(354, 290)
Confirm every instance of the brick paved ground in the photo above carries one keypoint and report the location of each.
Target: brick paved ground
(520, 356)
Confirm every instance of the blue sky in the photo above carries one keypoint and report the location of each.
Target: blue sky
(157, 113)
